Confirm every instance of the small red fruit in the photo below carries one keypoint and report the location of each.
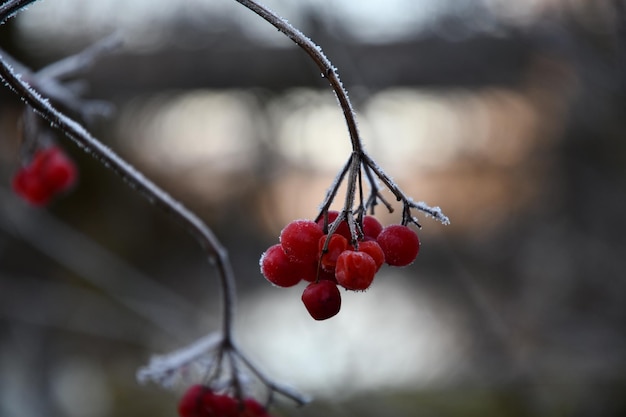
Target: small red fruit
(326, 275)
(55, 168)
(29, 186)
(336, 245)
(220, 405)
(191, 403)
(201, 401)
(371, 227)
(252, 408)
(373, 249)
(343, 229)
(307, 270)
(300, 240)
(399, 243)
(322, 299)
(49, 173)
(355, 270)
(278, 269)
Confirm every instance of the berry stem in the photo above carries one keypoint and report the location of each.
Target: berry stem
(332, 192)
(407, 202)
(272, 385)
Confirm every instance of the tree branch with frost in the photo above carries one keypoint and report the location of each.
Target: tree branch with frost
(27, 91)
(57, 82)
(359, 160)
(218, 353)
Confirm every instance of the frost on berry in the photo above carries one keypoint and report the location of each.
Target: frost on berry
(322, 299)
(400, 244)
(299, 239)
(355, 270)
(278, 269)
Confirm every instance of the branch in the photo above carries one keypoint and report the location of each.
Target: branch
(165, 367)
(359, 157)
(322, 62)
(49, 80)
(130, 175)
(9, 8)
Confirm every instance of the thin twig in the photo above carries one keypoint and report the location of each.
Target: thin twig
(434, 212)
(9, 8)
(73, 65)
(332, 192)
(281, 389)
(323, 63)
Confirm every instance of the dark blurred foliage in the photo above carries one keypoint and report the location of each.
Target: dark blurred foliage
(534, 278)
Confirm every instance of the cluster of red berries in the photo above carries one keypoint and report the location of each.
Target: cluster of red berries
(306, 253)
(201, 401)
(49, 173)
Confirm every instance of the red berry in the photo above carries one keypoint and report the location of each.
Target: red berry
(399, 243)
(278, 269)
(373, 249)
(355, 270)
(371, 227)
(327, 275)
(252, 408)
(322, 299)
(200, 401)
(49, 173)
(308, 270)
(220, 405)
(191, 403)
(29, 186)
(336, 245)
(343, 229)
(300, 240)
(58, 172)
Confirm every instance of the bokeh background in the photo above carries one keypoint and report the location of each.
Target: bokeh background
(508, 115)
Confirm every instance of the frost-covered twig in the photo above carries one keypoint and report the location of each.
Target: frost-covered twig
(359, 160)
(407, 202)
(82, 61)
(134, 178)
(9, 8)
(164, 367)
(55, 80)
(209, 353)
(323, 63)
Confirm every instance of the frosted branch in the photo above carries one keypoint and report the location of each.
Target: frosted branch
(54, 81)
(361, 158)
(163, 369)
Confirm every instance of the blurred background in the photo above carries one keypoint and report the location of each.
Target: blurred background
(508, 115)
